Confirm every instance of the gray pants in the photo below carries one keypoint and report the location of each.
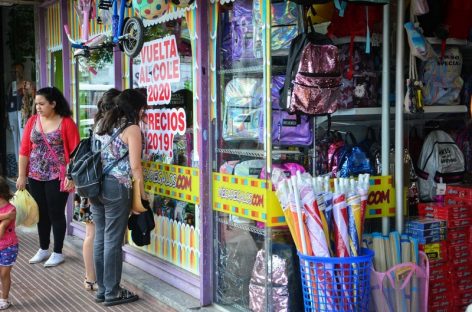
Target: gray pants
(110, 212)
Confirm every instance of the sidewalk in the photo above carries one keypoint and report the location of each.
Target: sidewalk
(35, 288)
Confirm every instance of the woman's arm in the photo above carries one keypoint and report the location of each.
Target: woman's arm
(132, 136)
(22, 172)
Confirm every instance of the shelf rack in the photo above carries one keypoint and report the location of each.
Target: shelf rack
(256, 153)
(249, 227)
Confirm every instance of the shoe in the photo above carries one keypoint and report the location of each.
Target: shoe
(99, 298)
(40, 256)
(125, 296)
(55, 259)
(90, 286)
(4, 304)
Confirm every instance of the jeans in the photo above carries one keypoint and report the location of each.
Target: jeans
(51, 202)
(15, 131)
(110, 212)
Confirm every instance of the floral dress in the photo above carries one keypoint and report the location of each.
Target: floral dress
(43, 166)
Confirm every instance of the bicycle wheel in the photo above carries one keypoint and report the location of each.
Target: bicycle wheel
(133, 33)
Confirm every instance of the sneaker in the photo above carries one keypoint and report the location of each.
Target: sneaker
(40, 256)
(55, 259)
(125, 296)
(4, 304)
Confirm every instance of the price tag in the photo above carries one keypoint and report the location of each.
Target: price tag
(441, 189)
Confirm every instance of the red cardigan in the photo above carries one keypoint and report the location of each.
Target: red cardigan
(69, 133)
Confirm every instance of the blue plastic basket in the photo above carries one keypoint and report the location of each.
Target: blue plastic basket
(336, 284)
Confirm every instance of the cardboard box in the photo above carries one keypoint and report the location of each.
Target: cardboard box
(429, 232)
(435, 251)
(460, 191)
(425, 223)
(453, 200)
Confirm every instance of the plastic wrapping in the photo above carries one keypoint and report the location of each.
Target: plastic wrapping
(242, 109)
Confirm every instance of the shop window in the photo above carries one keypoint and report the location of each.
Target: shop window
(164, 70)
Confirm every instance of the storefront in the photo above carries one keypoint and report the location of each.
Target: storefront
(217, 128)
(175, 129)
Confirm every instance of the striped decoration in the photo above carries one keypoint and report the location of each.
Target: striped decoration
(75, 26)
(54, 27)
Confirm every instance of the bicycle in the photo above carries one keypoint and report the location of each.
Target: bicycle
(127, 33)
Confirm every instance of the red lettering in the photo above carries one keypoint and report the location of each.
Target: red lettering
(257, 200)
(182, 121)
(173, 48)
(176, 69)
(378, 197)
(164, 121)
(184, 183)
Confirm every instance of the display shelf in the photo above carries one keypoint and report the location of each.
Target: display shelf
(242, 226)
(450, 41)
(255, 69)
(370, 113)
(249, 227)
(255, 153)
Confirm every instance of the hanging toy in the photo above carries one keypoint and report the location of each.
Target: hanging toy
(182, 3)
(150, 9)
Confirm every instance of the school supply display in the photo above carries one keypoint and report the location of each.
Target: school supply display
(451, 256)
(326, 227)
(441, 77)
(360, 78)
(287, 129)
(242, 109)
(283, 280)
(317, 81)
(399, 280)
(313, 70)
(440, 158)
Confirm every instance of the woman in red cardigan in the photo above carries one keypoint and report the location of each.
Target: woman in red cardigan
(48, 140)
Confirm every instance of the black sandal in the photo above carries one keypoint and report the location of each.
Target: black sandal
(125, 296)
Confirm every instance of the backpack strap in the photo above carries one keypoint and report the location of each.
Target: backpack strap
(294, 55)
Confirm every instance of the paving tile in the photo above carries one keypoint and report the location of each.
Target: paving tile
(35, 288)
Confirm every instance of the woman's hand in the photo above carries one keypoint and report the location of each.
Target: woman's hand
(21, 183)
(69, 184)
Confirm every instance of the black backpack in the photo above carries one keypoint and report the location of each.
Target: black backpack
(85, 167)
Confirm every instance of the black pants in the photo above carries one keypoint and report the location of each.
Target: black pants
(51, 202)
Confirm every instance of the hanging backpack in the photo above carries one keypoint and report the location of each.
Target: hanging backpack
(353, 160)
(360, 79)
(242, 109)
(441, 77)
(312, 85)
(440, 157)
(287, 129)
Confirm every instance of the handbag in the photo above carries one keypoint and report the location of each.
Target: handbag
(137, 204)
(62, 167)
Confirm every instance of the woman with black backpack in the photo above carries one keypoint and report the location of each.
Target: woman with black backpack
(110, 209)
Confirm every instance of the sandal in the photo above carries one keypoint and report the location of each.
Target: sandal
(125, 296)
(90, 286)
(4, 304)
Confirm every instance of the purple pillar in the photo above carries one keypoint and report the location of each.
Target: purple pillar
(42, 48)
(65, 52)
(203, 120)
(118, 68)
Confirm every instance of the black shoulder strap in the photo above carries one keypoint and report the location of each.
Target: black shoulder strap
(294, 55)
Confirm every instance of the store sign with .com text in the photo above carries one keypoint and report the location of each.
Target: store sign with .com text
(177, 182)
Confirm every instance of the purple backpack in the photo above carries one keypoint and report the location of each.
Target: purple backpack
(287, 129)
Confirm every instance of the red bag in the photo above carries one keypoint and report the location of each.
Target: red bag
(459, 18)
(354, 22)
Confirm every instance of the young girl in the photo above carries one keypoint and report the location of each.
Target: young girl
(8, 241)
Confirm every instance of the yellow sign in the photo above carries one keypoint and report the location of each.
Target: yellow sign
(247, 197)
(381, 200)
(177, 182)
